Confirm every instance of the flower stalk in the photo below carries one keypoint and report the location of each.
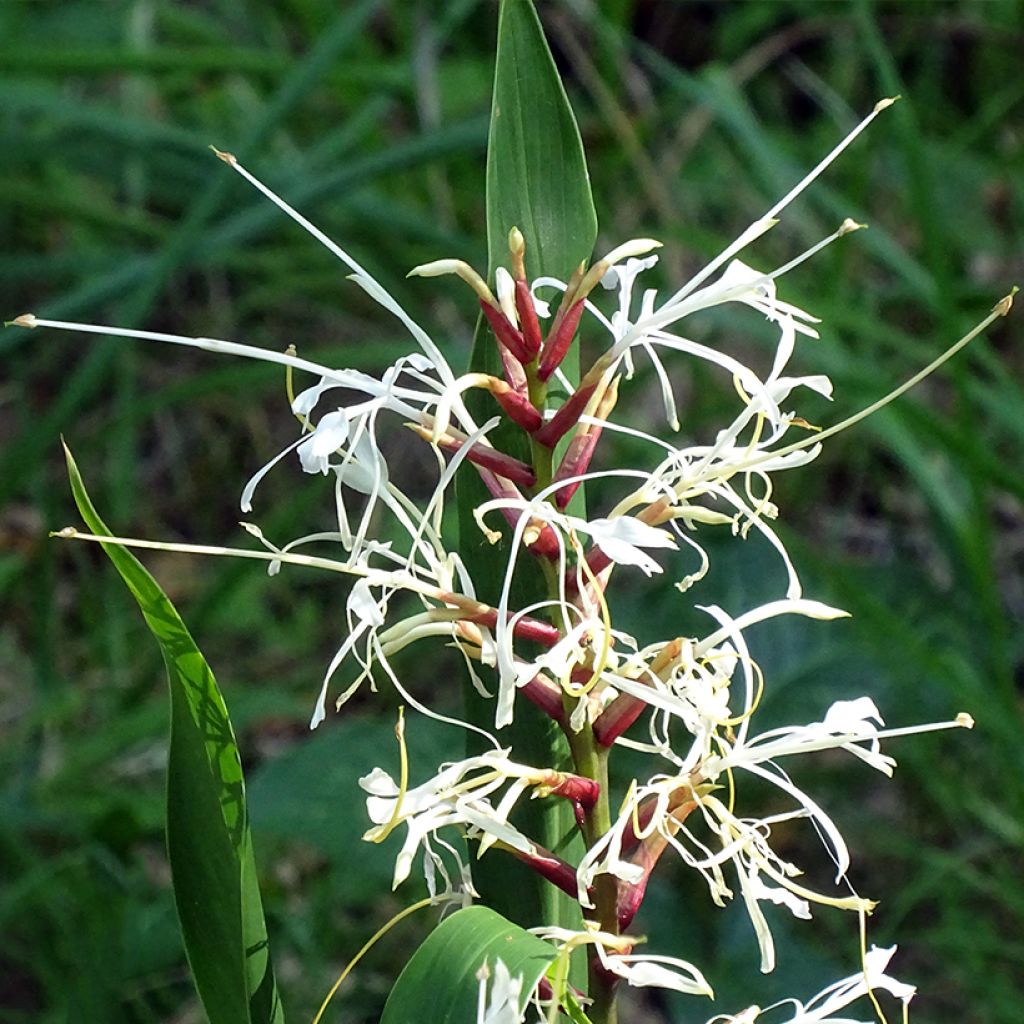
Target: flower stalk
(689, 703)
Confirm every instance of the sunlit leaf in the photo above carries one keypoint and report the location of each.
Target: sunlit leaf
(208, 840)
(439, 984)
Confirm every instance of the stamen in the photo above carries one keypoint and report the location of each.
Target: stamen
(375, 577)
(769, 220)
(379, 834)
(429, 901)
(847, 227)
(1001, 309)
(362, 277)
(232, 348)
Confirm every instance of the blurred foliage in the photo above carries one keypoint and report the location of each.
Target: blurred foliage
(696, 116)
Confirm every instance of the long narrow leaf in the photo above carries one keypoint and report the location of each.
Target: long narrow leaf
(208, 840)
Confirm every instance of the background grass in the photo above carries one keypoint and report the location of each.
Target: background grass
(373, 120)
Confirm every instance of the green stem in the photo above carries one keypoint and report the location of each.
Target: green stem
(590, 758)
(543, 457)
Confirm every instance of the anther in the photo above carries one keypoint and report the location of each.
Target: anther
(229, 158)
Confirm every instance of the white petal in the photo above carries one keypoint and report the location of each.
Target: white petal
(780, 897)
(853, 716)
(875, 963)
(643, 971)
(622, 538)
(364, 605)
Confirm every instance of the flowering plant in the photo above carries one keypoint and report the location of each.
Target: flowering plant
(520, 436)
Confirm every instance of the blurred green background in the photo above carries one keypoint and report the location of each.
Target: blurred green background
(371, 118)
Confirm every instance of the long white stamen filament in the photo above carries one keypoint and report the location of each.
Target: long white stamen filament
(769, 218)
(232, 348)
(375, 577)
(830, 158)
(1001, 309)
(363, 278)
(847, 227)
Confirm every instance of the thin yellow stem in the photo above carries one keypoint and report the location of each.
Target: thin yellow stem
(377, 936)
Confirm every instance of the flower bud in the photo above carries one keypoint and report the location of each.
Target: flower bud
(438, 268)
(559, 340)
(507, 334)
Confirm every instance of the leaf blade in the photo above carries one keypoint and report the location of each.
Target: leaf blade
(439, 983)
(208, 840)
(536, 170)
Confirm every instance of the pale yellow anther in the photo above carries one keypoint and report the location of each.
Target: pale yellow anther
(849, 225)
(1002, 307)
(25, 320)
(964, 720)
(799, 421)
(438, 268)
(228, 158)
(887, 102)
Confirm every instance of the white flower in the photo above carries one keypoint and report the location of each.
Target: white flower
(330, 434)
(459, 795)
(623, 539)
(641, 970)
(822, 1009)
(848, 725)
(501, 1004)
(690, 680)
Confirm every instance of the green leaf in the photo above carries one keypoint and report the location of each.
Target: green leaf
(574, 1011)
(208, 840)
(536, 171)
(537, 181)
(439, 984)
